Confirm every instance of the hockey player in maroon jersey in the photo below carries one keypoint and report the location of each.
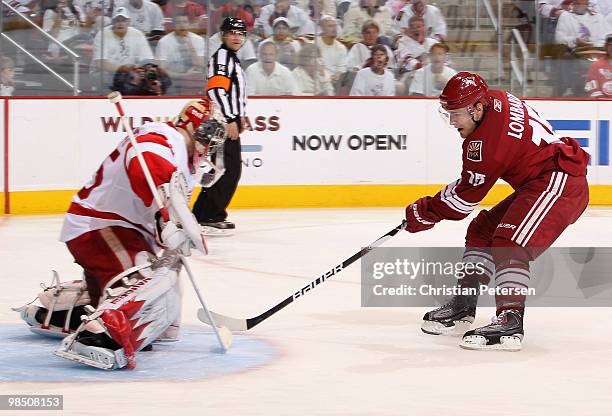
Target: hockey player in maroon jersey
(113, 225)
(503, 138)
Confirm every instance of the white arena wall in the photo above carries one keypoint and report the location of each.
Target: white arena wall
(303, 152)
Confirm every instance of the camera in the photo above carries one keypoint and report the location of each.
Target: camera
(151, 75)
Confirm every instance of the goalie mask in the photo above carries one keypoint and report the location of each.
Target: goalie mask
(205, 125)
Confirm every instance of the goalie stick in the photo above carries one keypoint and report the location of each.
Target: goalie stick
(224, 336)
(237, 324)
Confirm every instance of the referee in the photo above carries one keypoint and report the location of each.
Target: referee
(227, 88)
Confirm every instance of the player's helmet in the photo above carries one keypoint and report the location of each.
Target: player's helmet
(194, 113)
(204, 123)
(464, 89)
(232, 23)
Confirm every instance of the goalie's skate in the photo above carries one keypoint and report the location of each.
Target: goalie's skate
(77, 350)
(60, 309)
(505, 333)
(453, 318)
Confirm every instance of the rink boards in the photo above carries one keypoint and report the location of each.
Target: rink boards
(302, 152)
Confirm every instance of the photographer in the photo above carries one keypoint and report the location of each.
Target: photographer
(148, 79)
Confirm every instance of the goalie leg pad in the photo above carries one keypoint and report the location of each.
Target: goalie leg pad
(129, 319)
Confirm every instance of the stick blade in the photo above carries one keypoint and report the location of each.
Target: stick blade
(232, 324)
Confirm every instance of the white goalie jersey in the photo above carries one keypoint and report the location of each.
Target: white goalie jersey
(118, 193)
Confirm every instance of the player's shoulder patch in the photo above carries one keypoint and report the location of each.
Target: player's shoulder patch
(497, 105)
(474, 151)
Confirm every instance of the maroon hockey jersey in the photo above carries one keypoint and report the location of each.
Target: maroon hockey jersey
(512, 143)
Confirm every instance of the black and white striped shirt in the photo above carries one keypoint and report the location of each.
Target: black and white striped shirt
(227, 84)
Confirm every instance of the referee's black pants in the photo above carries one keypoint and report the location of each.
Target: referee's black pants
(212, 202)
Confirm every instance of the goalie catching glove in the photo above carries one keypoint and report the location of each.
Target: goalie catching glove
(172, 236)
(182, 231)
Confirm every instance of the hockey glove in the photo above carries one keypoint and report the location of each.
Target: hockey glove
(174, 238)
(416, 218)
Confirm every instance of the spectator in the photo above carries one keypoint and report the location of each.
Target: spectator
(288, 47)
(360, 52)
(61, 21)
(413, 46)
(233, 8)
(194, 11)
(579, 30)
(435, 25)
(268, 77)
(315, 10)
(375, 79)
(431, 79)
(146, 16)
(581, 27)
(297, 18)
(333, 52)
(553, 8)
(599, 78)
(93, 18)
(310, 75)
(123, 45)
(364, 10)
(7, 76)
(317, 7)
(148, 79)
(181, 55)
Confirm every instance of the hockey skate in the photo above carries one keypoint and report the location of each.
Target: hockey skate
(505, 333)
(96, 350)
(60, 309)
(453, 318)
(218, 228)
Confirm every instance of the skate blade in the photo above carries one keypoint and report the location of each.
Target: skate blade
(96, 359)
(477, 342)
(216, 232)
(436, 328)
(83, 360)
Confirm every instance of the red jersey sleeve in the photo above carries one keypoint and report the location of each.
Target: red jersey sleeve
(159, 158)
(481, 169)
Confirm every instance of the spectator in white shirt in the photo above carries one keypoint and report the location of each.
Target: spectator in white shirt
(581, 27)
(310, 75)
(431, 79)
(580, 30)
(375, 79)
(297, 18)
(413, 47)
(435, 25)
(181, 55)
(268, 77)
(288, 47)
(364, 10)
(333, 52)
(145, 16)
(360, 52)
(122, 45)
(62, 22)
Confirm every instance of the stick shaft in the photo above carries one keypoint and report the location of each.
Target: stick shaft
(145, 169)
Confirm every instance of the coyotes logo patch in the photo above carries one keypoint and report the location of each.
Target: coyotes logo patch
(474, 151)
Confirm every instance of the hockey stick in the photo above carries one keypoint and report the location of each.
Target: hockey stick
(224, 335)
(236, 324)
(115, 98)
